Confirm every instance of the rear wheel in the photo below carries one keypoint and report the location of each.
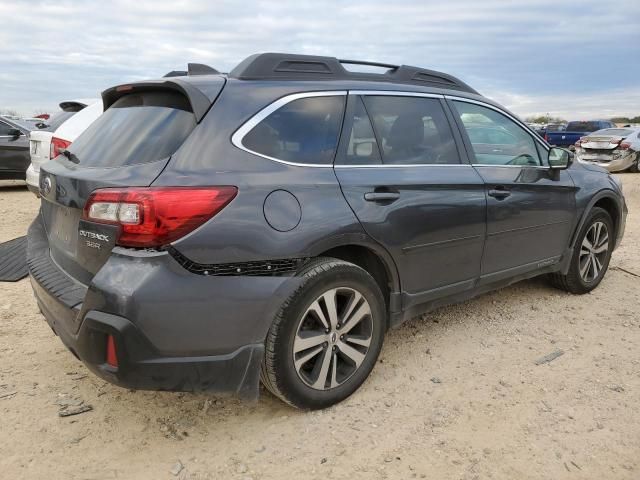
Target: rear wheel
(591, 254)
(635, 167)
(326, 338)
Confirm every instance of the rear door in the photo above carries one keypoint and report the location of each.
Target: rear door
(530, 209)
(402, 173)
(128, 145)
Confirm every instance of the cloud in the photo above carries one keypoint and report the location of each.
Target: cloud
(533, 55)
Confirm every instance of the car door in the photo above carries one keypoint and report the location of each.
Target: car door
(14, 152)
(402, 172)
(530, 208)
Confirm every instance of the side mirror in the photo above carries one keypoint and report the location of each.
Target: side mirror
(559, 158)
(14, 133)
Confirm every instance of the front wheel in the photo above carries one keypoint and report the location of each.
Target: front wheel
(591, 255)
(327, 336)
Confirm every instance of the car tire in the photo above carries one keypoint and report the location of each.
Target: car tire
(635, 167)
(588, 268)
(291, 370)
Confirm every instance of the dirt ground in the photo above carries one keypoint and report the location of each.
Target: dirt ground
(456, 395)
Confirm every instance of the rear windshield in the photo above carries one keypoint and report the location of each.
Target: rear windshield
(618, 132)
(137, 128)
(58, 119)
(583, 126)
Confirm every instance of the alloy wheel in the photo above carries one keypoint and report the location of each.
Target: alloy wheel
(332, 338)
(593, 251)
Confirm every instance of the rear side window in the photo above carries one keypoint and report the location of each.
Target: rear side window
(137, 128)
(412, 130)
(302, 131)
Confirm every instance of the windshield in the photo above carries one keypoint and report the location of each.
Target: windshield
(137, 128)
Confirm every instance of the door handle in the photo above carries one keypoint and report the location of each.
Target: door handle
(499, 193)
(381, 196)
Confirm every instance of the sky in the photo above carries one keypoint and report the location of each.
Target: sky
(571, 59)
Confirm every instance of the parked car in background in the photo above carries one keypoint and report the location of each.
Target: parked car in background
(573, 131)
(65, 127)
(208, 231)
(14, 148)
(551, 127)
(615, 149)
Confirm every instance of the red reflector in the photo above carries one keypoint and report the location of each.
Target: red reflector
(625, 146)
(112, 358)
(57, 144)
(156, 216)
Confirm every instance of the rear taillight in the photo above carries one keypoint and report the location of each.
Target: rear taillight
(112, 357)
(624, 146)
(57, 144)
(615, 141)
(156, 216)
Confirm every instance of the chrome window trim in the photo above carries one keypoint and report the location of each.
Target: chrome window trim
(382, 165)
(541, 167)
(535, 136)
(395, 93)
(238, 136)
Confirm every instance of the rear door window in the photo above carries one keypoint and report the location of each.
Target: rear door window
(305, 131)
(412, 130)
(138, 128)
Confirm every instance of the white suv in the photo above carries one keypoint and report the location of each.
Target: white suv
(45, 145)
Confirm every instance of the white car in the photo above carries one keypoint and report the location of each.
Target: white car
(46, 145)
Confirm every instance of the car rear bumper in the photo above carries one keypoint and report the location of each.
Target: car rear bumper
(173, 330)
(608, 161)
(33, 179)
(140, 366)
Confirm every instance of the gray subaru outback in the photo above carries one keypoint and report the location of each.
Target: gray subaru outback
(212, 231)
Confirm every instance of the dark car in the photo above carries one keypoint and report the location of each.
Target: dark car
(14, 149)
(209, 231)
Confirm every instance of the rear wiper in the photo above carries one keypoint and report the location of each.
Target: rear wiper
(69, 155)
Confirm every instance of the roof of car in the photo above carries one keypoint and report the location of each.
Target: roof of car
(286, 66)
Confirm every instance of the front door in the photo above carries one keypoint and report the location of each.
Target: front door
(530, 208)
(403, 175)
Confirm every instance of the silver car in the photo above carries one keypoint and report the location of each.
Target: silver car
(615, 149)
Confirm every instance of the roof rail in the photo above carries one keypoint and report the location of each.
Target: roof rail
(285, 66)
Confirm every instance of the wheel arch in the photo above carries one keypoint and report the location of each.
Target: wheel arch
(372, 258)
(608, 201)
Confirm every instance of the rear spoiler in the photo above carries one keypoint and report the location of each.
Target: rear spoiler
(200, 98)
